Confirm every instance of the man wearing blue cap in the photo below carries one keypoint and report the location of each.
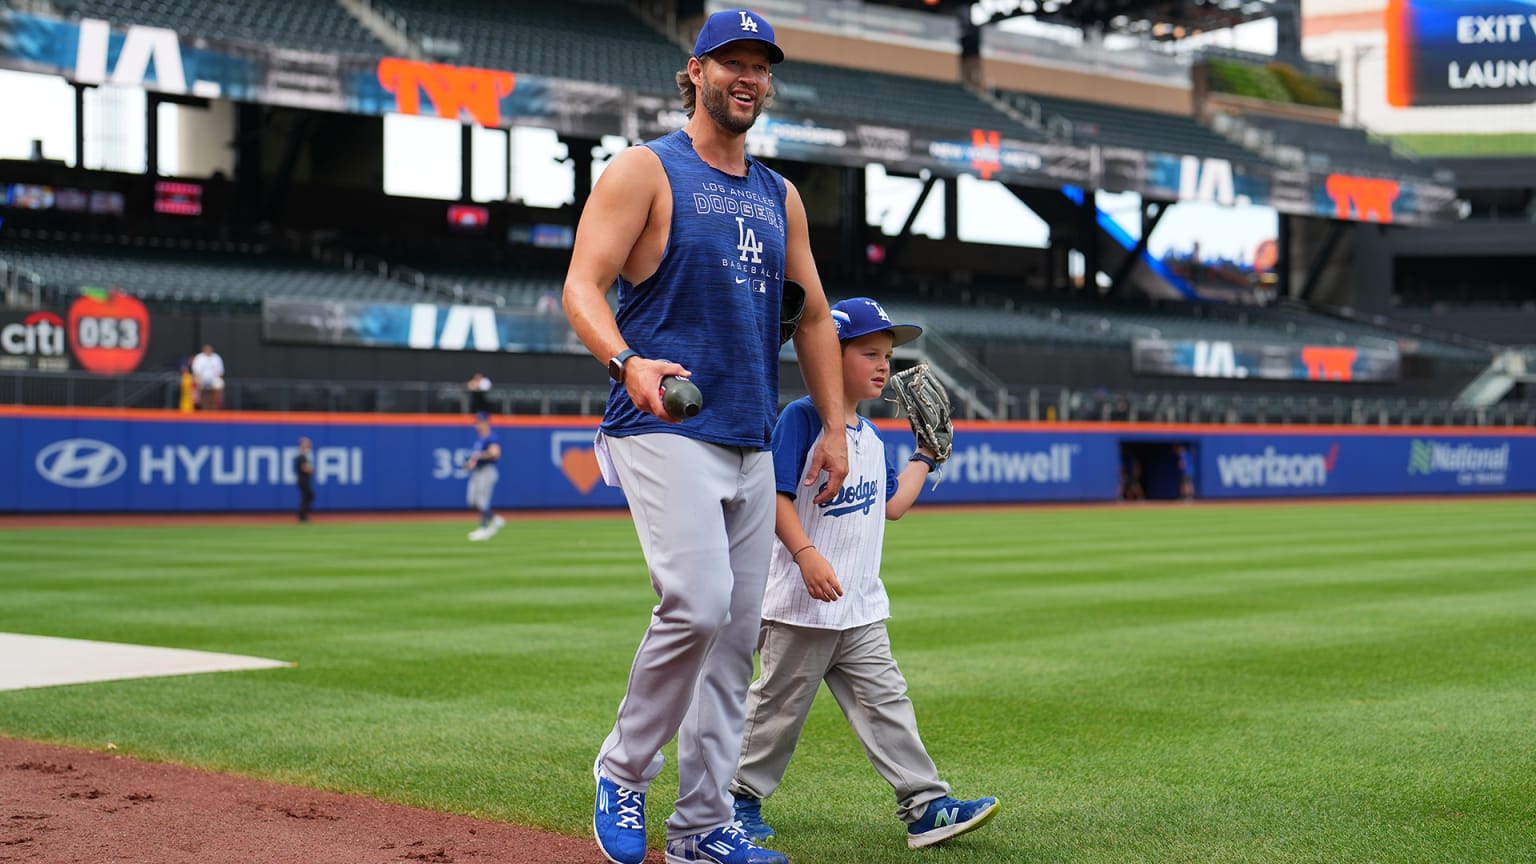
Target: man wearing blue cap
(825, 608)
(701, 239)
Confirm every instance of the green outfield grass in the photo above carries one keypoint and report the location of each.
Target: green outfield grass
(1291, 683)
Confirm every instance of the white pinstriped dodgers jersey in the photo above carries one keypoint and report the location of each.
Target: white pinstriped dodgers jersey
(848, 530)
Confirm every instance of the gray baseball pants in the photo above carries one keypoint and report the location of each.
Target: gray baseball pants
(704, 515)
(861, 673)
(482, 484)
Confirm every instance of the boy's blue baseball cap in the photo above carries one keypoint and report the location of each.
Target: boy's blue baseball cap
(861, 316)
(736, 25)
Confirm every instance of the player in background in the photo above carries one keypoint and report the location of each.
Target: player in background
(483, 475)
(701, 238)
(825, 608)
(208, 369)
(304, 475)
(479, 388)
(1186, 471)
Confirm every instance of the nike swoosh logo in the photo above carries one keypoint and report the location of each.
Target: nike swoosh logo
(740, 281)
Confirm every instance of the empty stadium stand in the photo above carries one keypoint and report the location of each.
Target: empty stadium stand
(319, 25)
(879, 97)
(496, 285)
(170, 271)
(580, 41)
(1102, 322)
(1323, 146)
(1114, 126)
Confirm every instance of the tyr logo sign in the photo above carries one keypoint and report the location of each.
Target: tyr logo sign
(453, 90)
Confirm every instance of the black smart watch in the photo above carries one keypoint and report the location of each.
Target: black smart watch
(616, 365)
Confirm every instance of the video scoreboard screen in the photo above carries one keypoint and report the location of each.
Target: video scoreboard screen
(1461, 52)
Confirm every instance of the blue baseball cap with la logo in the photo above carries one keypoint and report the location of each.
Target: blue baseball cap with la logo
(735, 25)
(861, 316)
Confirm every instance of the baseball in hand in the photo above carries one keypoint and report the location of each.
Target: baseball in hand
(680, 397)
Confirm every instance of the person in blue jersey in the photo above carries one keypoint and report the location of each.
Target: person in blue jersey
(481, 467)
(700, 238)
(825, 608)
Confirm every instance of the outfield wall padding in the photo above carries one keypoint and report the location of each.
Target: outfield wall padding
(114, 461)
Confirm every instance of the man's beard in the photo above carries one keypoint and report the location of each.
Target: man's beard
(715, 102)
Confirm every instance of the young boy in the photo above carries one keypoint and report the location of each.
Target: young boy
(824, 609)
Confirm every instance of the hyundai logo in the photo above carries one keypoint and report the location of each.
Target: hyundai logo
(80, 463)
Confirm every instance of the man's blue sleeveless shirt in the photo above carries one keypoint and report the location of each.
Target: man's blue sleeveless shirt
(713, 303)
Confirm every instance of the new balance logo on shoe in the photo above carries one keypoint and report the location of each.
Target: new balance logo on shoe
(949, 817)
(946, 816)
(720, 847)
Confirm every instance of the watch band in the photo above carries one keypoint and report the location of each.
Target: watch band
(932, 464)
(616, 365)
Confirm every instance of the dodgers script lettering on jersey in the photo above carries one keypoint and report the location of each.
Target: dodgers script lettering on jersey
(853, 498)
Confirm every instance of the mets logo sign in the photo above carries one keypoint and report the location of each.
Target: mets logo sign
(80, 463)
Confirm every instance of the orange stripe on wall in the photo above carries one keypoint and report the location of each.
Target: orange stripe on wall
(1399, 55)
(294, 418)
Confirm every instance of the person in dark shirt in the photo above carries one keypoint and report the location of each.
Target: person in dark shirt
(304, 472)
(479, 394)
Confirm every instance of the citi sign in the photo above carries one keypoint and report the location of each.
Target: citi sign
(982, 464)
(85, 463)
(41, 333)
(1273, 469)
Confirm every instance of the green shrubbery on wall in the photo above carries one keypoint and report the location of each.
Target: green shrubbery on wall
(1273, 82)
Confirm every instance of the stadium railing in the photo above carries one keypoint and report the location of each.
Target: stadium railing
(161, 391)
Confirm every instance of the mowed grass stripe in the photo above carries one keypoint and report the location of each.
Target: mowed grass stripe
(1287, 683)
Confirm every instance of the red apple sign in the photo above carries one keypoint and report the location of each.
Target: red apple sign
(108, 331)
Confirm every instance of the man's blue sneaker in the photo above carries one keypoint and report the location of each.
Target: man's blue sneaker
(749, 818)
(618, 820)
(727, 845)
(947, 817)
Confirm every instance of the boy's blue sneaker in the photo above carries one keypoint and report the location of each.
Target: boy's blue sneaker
(618, 820)
(947, 817)
(749, 818)
(726, 845)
